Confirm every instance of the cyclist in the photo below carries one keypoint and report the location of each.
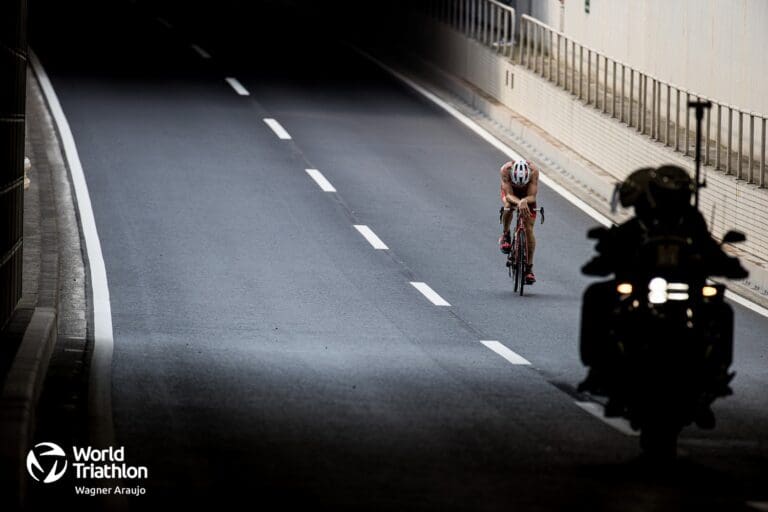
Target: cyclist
(519, 186)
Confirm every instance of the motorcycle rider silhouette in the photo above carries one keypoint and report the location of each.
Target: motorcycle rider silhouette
(638, 250)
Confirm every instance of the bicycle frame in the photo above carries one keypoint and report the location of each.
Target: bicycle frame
(517, 260)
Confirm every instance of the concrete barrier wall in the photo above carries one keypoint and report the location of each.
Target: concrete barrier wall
(600, 139)
(715, 48)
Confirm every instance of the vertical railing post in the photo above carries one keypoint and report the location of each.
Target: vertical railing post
(573, 67)
(677, 120)
(718, 136)
(658, 110)
(532, 55)
(687, 124)
(508, 44)
(613, 91)
(523, 42)
(565, 64)
(488, 22)
(558, 82)
(739, 154)
(642, 89)
(623, 81)
(589, 76)
(534, 46)
(526, 29)
(597, 80)
(653, 108)
(751, 147)
(581, 69)
(542, 48)
(730, 138)
(551, 54)
(540, 38)
(501, 15)
(668, 120)
(706, 144)
(631, 95)
(762, 152)
(605, 86)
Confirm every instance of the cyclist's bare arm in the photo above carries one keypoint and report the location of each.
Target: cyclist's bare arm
(533, 189)
(506, 185)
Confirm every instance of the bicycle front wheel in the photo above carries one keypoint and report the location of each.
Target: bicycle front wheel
(522, 259)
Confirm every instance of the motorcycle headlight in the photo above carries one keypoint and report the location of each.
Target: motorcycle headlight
(709, 291)
(657, 291)
(624, 288)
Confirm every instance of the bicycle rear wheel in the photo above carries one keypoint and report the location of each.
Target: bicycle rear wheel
(522, 257)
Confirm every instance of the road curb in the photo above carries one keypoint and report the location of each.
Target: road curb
(21, 392)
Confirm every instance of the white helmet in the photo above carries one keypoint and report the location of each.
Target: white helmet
(520, 173)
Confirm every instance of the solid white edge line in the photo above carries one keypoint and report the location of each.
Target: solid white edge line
(498, 144)
(237, 86)
(738, 299)
(281, 132)
(489, 138)
(100, 380)
(321, 180)
(429, 293)
(505, 352)
(597, 411)
(202, 53)
(372, 238)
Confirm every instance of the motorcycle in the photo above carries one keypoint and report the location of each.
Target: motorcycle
(658, 337)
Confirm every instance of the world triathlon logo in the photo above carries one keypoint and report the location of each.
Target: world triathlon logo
(46, 461)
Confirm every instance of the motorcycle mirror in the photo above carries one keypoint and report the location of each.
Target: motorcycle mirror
(597, 233)
(733, 237)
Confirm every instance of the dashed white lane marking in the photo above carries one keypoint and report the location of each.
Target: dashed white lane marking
(505, 352)
(100, 381)
(369, 235)
(430, 294)
(237, 86)
(202, 53)
(278, 129)
(619, 424)
(511, 153)
(321, 180)
(164, 22)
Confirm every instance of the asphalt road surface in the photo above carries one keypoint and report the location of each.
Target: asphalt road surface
(265, 350)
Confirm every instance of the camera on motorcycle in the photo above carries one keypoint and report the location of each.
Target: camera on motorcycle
(733, 237)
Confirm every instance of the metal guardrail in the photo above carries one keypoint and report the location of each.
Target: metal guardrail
(734, 140)
(490, 22)
(655, 108)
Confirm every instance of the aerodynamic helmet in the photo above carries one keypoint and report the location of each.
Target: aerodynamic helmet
(520, 173)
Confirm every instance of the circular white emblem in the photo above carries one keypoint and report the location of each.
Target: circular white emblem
(44, 461)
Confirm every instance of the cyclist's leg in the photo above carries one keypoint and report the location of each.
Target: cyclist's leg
(530, 222)
(506, 220)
